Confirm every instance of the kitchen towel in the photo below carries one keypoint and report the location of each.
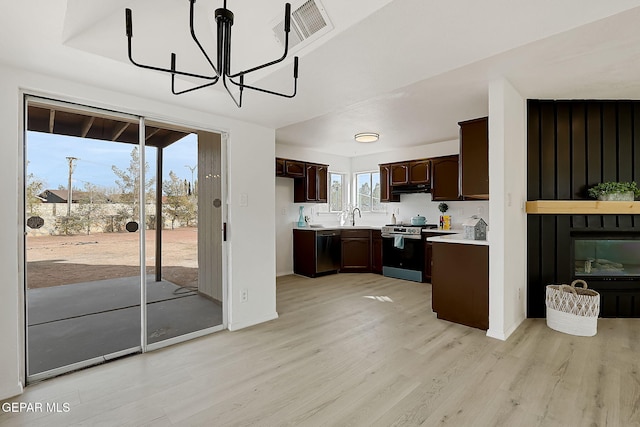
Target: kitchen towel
(398, 242)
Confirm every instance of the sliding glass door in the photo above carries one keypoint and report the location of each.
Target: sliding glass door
(116, 216)
(184, 291)
(82, 237)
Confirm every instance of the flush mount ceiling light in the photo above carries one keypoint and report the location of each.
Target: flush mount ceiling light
(367, 137)
(221, 71)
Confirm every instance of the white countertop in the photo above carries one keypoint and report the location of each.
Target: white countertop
(319, 227)
(316, 227)
(457, 238)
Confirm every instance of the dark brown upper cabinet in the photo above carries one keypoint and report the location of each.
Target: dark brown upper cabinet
(290, 168)
(399, 173)
(409, 173)
(420, 171)
(385, 185)
(444, 178)
(313, 187)
(474, 159)
(323, 180)
(310, 179)
(279, 166)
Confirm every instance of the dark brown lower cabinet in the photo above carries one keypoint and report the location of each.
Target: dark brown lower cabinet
(428, 262)
(460, 280)
(376, 252)
(428, 257)
(356, 251)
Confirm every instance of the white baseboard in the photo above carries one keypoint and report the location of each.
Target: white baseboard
(499, 335)
(286, 273)
(8, 392)
(235, 326)
(503, 335)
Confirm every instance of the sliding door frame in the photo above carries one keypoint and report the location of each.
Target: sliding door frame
(27, 96)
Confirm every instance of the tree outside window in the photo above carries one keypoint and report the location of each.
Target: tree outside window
(336, 192)
(368, 191)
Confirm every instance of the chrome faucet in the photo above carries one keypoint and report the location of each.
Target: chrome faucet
(353, 216)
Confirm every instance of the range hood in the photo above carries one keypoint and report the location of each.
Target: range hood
(412, 188)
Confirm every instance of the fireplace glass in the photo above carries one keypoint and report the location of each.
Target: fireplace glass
(606, 257)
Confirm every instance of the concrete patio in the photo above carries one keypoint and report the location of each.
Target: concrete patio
(73, 323)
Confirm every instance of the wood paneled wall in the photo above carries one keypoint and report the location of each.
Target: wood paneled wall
(573, 145)
(210, 215)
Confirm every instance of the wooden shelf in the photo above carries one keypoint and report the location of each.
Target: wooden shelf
(582, 207)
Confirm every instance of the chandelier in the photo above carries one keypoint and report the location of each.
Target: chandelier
(222, 68)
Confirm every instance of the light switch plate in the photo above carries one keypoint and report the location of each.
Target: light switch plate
(244, 200)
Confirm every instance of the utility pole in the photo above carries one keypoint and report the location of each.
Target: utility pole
(192, 169)
(69, 188)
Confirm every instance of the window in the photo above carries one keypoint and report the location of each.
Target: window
(336, 192)
(368, 191)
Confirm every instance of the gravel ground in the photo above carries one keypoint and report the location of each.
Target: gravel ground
(60, 260)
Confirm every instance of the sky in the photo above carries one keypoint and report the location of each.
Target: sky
(46, 155)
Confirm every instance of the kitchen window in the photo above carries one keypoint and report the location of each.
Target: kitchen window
(337, 192)
(368, 192)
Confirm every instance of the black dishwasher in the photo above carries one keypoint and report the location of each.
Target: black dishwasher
(327, 251)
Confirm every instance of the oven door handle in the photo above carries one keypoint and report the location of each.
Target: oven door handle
(405, 236)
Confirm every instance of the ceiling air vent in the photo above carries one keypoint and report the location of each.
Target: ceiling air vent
(308, 22)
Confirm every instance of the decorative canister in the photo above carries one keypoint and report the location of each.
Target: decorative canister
(446, 222)
(301, 221)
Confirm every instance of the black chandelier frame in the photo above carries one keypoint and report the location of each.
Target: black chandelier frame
(224, 21)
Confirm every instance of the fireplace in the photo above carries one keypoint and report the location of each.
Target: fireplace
(606, 257)
(609, 261)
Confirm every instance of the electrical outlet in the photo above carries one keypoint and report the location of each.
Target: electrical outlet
(519, 294)
(244, 295)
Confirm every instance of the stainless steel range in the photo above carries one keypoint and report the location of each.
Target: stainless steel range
(403, 251)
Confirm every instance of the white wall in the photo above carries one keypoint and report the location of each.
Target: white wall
(11, 320)
(507, 186)
(250, 171)
(410, 204)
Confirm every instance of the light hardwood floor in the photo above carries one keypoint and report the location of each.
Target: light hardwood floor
(360, 350)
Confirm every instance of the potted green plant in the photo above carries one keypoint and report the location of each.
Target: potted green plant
(625, 191)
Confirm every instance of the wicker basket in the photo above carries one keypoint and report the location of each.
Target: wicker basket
(573, 310)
